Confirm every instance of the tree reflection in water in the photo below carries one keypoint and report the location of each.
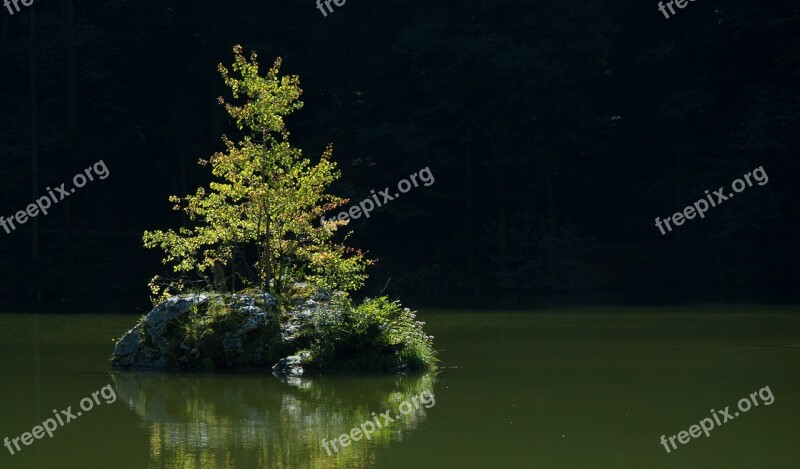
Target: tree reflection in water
(221, 421)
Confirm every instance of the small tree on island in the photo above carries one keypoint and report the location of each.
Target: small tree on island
(256, 222)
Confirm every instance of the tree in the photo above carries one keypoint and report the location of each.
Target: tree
(255, 223)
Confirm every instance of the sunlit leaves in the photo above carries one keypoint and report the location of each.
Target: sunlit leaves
(266, 198)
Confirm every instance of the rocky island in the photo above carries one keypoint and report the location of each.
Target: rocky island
(320, 332)
(259, 283)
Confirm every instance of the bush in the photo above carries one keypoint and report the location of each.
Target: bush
(376, 335)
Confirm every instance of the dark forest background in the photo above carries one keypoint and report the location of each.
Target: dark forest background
(556, 131)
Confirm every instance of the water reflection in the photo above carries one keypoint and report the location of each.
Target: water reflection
(201, 421)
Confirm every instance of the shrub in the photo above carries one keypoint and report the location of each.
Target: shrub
(376, 335)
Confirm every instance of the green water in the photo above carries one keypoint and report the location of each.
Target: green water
(569, 388)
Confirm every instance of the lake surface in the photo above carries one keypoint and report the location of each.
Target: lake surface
(564, 388)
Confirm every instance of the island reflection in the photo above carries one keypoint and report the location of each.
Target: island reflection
(220, 421)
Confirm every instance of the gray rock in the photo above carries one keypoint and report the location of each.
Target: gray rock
(268, 300)
(257, 318)
(150, 345)
(128, 349)
(155, 323)
(242, 300)
(143, 347)
(299, 319)
(321, 295)
(292, 365)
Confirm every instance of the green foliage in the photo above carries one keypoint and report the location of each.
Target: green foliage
(140, 330)
(256, 221)
(376, 335)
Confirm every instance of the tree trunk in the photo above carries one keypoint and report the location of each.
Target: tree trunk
(219, 275)
(267, 254)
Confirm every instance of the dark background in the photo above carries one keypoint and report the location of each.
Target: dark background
(556, 131)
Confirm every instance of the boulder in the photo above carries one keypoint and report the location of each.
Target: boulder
(250, 332)
(292, 366)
